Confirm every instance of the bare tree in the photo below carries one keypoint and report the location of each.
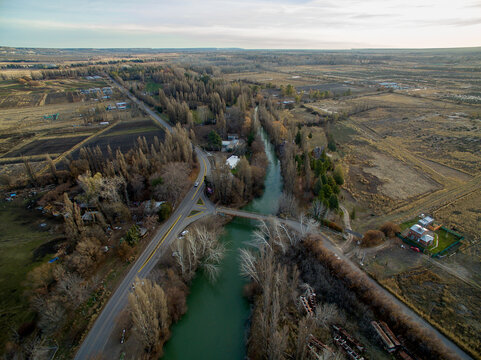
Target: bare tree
(86, 256)
(51, 313)
(74, 289)
(318, 209)
(199, 248)
(150, 316)
(288, 206)
(175, 181)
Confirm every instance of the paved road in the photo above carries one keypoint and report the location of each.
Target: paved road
(100, 332)
(338, 251)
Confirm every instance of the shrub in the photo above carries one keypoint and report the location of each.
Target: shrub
(133, 235)
(164, 211)
(390, 229)
(372, 238)
(331, 225)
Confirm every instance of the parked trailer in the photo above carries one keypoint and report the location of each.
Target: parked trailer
(403, 355)
(311, 298)
(389, 333)
(350, 352)
(348, 337)
(388, 344)
(318, 345)
(306, 305)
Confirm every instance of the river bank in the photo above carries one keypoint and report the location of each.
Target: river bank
(214, 326)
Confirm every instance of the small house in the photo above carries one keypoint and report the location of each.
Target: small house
(426, 240)
(232, 161)
(90, 216)
(416, 232)
(121, 105)
(426, 221)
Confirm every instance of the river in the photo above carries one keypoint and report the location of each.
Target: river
(214, 326)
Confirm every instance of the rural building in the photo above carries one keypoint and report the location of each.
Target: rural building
(151, 206)
(232, 161)
(230, 145)
(426, 240)
(121, 105)
(91, 216)
(317, 152)
(416, 232)
(426, 221)
(107, 90)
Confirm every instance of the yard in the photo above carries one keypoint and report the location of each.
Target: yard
(442, 238)
(24, 244)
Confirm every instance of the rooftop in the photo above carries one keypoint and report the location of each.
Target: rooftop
(232, 161)
(418, 229)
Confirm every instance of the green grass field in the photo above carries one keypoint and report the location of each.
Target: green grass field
(152, 87)
(444, 238)
(20, 236)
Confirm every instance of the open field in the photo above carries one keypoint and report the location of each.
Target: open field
(450, 305)
(124, 135)
(23, 245)
(46, 146)
(398, 180)
(463, 214)
(443, 299)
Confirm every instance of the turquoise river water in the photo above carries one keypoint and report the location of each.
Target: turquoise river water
(214, 326)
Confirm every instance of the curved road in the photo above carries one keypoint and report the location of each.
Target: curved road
(336, 250)
(100, 332)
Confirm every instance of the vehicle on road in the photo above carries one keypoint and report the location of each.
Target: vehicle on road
(414, 248)
(196, 184)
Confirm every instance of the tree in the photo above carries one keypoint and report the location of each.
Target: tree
(318, 209)
(150, 316)
(333, 202)
(338, 175)
(40, 278)
(372, 238)
(244, 173)
(390, 229)
(200, 247)
(86, 256)
(175, 181)
(307, 172)
(288, 206)
(51, 314)
(215, 141)
(51, 164)
(132, 236)
(164, 211)
(298, 137)
(30, 173)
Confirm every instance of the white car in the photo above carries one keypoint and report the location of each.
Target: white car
(185, 232)
(196, 184)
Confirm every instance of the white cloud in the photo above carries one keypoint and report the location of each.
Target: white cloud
(259, 24)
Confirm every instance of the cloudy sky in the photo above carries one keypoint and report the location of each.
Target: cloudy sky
(287, 24)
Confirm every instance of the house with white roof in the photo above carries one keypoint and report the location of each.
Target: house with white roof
(426, 221)
(232, 161)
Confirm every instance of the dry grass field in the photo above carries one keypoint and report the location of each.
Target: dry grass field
(26, 133)
(448, 304)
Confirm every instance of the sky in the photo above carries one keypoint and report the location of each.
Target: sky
(262, 24)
